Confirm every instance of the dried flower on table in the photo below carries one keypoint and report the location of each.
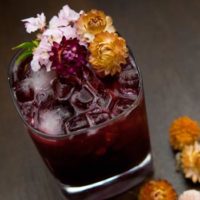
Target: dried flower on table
(184, 131)
(190, 162)
(190, 195)
(157, 190)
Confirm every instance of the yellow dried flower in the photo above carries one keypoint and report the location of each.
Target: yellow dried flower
(190, 162)
(93, 22)
(108, 53)
(157, 190)
(184, 131)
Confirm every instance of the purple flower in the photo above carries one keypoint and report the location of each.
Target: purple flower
(68, 56)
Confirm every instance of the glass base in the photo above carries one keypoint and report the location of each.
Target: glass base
(112, 186)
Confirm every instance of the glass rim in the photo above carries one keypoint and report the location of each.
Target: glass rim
(125, 113)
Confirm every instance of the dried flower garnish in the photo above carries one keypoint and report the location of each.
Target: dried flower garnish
(65, 17)
(190, 195)
(63, 43)
(68, 56)
(184, 131)
(33, 24)
(93, 22)
(190, 162)
(157, 190)
(108, 53)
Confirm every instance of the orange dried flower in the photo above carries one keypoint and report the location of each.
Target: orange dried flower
(108, 53)
(184, 131)
(157, 190)
(93, 22)
(190, 162)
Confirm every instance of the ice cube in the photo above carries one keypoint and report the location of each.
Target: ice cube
(28, 111)
(97, 116)
(41, 80)
(91, 79)
(77, 123)
(44, 99)
(129, 83)
(104, 99)
(121, 105)
(24, 92)
(62, 90)
(82, 99)
(51, 122)
(65, 110)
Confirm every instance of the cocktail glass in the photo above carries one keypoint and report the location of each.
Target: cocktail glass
(101, 161)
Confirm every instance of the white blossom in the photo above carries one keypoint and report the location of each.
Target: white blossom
(68, 14)
(59, 26)
(190, 195)
(56, 22)
(56, 35)
(33, 24)
(41, 55)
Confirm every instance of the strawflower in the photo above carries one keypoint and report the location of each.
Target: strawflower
(93, 22)
(157, 190)
(190, 195)
(108, 52)
(183, 131)
(190, 162)
(68, 56)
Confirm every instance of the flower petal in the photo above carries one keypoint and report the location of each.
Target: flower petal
(33, 24)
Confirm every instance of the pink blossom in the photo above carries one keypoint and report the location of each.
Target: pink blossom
(41, 55)
(56, 35)
(190, 195)
(33, 24)
(68, 14)
(56, 22)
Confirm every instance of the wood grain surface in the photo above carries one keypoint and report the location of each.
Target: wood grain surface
(165, 39)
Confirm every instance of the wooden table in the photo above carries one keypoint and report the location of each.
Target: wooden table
(165, 38)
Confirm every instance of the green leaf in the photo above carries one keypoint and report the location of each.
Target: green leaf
(23, 56)
(27, 48)
(27, 45)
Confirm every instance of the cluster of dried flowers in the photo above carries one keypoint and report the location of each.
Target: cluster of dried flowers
(163, 190)
(184, 139)
(71, 40)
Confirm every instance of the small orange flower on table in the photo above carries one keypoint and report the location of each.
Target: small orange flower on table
(190, 162)
(184, 131)
(157, 190)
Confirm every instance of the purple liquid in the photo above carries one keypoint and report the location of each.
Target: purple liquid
(92, 130)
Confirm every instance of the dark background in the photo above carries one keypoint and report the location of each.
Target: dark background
(165, 38)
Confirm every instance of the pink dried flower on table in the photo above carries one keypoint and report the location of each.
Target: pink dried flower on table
(33, 24)
(190, 162)
(190, 195)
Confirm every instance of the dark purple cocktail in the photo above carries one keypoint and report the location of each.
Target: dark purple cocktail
(90, 128)
(88, 132)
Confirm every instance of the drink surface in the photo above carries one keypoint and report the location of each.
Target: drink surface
(64, 105)
(102, 133)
